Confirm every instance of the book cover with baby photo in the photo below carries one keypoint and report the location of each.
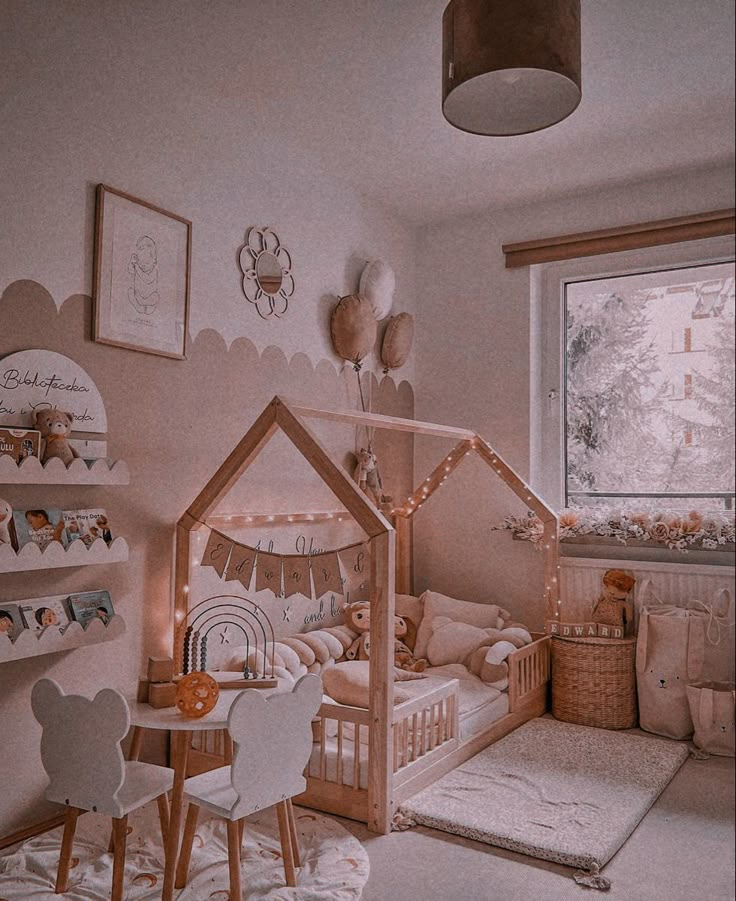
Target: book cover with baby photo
(40, 526)
(44, 613)
(88, 605)
(11, 621)
(87, 526)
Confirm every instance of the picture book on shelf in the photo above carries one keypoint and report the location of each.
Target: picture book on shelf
(20, 443)
(11, 621)
(44, 614)
(40, 526)
(88, 605)
(87, 526)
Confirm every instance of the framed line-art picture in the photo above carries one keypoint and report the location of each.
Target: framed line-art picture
(141, 276)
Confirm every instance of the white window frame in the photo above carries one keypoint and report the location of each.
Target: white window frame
(547, 341)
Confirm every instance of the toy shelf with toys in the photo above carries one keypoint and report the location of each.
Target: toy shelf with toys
(62, 633)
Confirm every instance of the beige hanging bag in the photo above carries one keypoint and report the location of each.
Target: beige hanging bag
(670, 650)
(713, 710)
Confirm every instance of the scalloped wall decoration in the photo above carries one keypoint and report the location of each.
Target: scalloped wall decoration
(54, 472)
(28, 644)
(30, 557)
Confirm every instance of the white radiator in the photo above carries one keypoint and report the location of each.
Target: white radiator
(671, 583)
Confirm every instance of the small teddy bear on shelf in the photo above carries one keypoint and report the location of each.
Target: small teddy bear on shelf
(55, 427)
(358, 618)
(367, 475)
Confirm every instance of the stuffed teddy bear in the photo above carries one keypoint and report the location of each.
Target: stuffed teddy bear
(6, 516)
(367, 475)
(359, 619)
(55, 427)
(482, 651)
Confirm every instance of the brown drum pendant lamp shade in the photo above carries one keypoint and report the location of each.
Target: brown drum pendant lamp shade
(510, 67)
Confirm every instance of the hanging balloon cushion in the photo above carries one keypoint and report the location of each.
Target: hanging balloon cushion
(377, 283)
(353, 328)
(397, 341)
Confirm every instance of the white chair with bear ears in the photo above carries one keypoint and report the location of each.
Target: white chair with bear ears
(272, 743)
(81, 753)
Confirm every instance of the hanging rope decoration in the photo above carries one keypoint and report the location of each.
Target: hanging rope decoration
(297, 573)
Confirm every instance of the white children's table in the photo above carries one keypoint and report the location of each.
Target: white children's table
(143, 716)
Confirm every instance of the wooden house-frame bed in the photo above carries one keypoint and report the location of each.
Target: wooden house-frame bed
(411, 744)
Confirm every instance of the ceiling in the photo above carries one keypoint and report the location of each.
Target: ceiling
(351, 88)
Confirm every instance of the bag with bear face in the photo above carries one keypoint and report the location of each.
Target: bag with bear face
(713, 709)
(670, 651)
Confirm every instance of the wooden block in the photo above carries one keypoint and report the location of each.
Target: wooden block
(142, 695)
(604, 630)
(553, 627)
(591, 630)
(578, 630)
(162, 694)
(566, 630)
(617, 631)
(160, 669)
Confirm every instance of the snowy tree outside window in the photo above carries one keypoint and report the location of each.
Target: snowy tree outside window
(649, 388)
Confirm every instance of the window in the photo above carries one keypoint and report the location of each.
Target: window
(633, 402)
(699, 429)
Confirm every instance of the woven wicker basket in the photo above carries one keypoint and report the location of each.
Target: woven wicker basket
(594, 681)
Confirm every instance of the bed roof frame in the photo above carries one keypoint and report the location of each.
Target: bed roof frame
(290, 419)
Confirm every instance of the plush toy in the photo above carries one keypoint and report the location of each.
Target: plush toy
(482, 651)
(359, 619)
(55, 427)
(6, 517)
(614, 606)
(367, 475)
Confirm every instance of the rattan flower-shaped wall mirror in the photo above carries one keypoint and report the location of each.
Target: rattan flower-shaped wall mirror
(266, 267)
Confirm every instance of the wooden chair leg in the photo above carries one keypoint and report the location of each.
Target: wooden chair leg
(233, 859)
(285, 833)
(134, 753)
(71, 815)
(120, 831)
(185, 853)
(294, 840)
(241, 833)
(163, 815)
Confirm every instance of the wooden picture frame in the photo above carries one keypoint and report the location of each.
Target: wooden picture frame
(141, 275)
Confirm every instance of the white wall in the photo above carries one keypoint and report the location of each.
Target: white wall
(89, 95)
(475, 370)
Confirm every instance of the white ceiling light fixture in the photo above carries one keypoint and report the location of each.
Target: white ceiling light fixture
(510, 67)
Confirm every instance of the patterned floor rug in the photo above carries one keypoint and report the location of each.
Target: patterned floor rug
(553, 790)
(334, 863)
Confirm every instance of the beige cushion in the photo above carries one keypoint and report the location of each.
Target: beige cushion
(353, 328)
(347, 683)
(397, 341)
(485, 616)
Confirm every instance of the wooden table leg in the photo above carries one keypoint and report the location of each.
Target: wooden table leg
(180, 742)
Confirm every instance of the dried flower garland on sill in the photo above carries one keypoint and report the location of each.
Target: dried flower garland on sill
(673, 530)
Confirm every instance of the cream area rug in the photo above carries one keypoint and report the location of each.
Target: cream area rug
(334, 863)
(553, 790)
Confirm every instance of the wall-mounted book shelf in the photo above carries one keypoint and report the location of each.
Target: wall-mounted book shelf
(31, 644)
(79, 472)
(30, 557)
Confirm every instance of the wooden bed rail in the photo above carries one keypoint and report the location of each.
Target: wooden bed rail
(529, 669)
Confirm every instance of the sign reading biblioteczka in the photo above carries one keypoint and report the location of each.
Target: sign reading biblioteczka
(32, 380)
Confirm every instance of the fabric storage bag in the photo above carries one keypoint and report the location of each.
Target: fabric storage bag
(670, 651)
(713, 710)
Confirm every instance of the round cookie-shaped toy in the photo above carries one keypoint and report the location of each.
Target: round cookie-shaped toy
(196, 694)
